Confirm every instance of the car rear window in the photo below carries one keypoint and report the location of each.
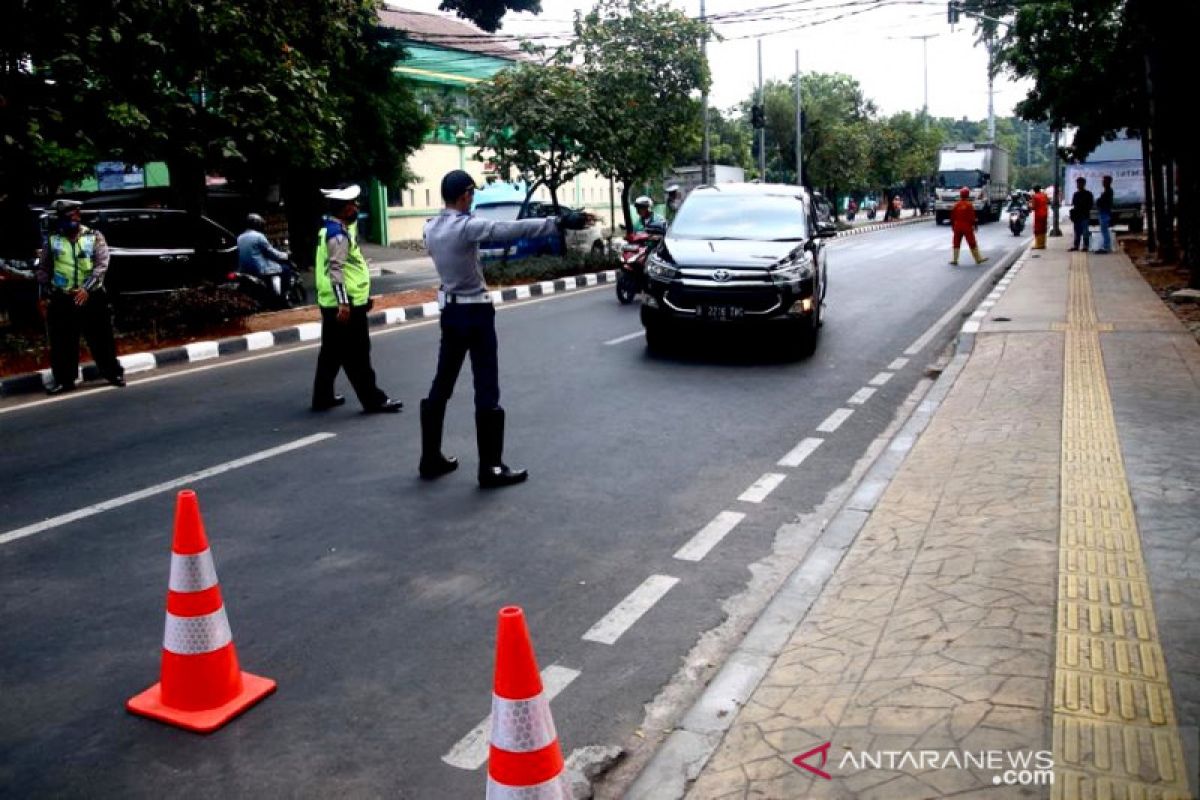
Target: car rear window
(740, 216)
(500, 212)
(146, 231)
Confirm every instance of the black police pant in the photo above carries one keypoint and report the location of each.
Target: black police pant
(66, 321)
(468, 328)
(346, 345)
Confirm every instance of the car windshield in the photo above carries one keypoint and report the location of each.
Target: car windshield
(955, 178)
(500, 212)
(740, 216)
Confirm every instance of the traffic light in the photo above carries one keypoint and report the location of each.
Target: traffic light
(952, 12)
(757, 118)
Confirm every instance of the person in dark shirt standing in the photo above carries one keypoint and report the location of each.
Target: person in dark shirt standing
(468, 324)
(1082, 203)
(1104, 205)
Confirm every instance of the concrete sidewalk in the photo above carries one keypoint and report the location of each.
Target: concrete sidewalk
(1027, 588)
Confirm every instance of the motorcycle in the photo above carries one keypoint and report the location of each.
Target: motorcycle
(1016, 219)
(273, 292)
(631, 277)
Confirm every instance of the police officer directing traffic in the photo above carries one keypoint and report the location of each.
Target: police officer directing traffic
(71, 269)
(343, 293)
(468, 324)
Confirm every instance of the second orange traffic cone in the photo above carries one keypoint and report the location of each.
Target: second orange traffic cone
(525, 761)
(201, 686)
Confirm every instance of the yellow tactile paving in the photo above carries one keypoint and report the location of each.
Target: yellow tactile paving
(1115, 734)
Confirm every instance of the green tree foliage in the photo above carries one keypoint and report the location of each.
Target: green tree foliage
(489, 14)
(642, 60)
(533, 119)
(903, 155)
(729, 136)
(248, 90)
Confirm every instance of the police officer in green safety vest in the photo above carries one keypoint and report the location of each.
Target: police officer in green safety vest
(343, 293)
(71, 268)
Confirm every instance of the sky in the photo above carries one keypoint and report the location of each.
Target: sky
(869, 42)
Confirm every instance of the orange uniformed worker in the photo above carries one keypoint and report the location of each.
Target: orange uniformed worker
(1041, 216)
(962, 220)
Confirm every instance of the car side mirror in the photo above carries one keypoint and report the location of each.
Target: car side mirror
(826, 230)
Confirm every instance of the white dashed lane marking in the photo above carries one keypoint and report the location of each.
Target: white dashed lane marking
(630, 610)
(800, 452)
(880, 379)
(762, 487)
(709, 536)
(861, 396)
(626, 337)
(898, 364)
(835, 420)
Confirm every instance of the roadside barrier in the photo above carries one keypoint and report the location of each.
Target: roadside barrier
(525, 761)
(201, 686)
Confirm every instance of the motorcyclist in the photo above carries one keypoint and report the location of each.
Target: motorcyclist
(674, 201)
(256, 256)
(646, 217)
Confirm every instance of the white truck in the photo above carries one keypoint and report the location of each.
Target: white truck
(1122, 160)
(982, 168)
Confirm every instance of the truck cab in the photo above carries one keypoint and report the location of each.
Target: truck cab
(982, 168)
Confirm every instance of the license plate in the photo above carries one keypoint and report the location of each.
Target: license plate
(722, 312)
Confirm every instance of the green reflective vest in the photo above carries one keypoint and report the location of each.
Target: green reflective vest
(355, 273)
(72, 260)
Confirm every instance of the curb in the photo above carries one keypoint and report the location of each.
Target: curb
(682, 756)
(31, 382)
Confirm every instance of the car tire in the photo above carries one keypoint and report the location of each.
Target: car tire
(626, 288)
(808, 331)
(658, 335)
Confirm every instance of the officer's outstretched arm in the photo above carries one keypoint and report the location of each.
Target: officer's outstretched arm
(487, 230)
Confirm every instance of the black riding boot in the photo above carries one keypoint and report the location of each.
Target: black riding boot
(433, 463)
(489, 432)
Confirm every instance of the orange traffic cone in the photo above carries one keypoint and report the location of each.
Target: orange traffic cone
(525, 760)
(200, 687)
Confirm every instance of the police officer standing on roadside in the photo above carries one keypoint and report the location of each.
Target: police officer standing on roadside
(343, 294)
(468, 323)
(71, 268)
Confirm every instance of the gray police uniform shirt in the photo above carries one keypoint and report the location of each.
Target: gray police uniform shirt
(452, 239)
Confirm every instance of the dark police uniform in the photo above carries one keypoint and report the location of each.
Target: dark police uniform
(468, 325)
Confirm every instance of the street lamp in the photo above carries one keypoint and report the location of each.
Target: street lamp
(461, 139)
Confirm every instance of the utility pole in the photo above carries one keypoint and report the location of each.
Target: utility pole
(991, 90)
(799, 128)
(705, 153)
(1055, 230)
(762, 132)
(924, 68)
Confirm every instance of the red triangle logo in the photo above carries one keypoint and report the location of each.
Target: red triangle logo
(802, 761)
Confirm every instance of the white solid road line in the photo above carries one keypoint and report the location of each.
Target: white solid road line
(471, 752)
(862, 395)
(626, 337)
(762, 487)
(952, 312)
(709, 536)
(630, 610)
(898, 364)
(880, 379)
(835, 420)
(177, 483)
(800, 452)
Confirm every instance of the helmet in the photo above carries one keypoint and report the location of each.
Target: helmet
(643, 201)
(256, 222)
(964, 192)
(673, 188)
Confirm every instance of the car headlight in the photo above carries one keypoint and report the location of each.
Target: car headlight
(659, 268)
(792, 271)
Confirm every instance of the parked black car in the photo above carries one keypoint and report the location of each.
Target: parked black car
(740, 255)
(157, 250)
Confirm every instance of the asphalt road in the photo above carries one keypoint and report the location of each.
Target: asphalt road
(370, 596)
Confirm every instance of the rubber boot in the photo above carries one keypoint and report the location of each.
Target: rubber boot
(979, 258)
(954, 258)
(489, 432)
(433, 463)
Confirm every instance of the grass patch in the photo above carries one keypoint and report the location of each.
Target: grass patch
(547, 268)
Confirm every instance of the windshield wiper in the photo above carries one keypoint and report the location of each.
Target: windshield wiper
(791, 239)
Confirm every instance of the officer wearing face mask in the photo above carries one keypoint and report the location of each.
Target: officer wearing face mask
(70, 272)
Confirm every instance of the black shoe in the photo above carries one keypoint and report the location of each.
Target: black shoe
(489, 434)
(118, 381)
(388, 406)
(325, 405)
(433, 463)
(58, 388)
(1072, 249)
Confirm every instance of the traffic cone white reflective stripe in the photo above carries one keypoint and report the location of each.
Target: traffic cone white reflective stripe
(522, 726)
(191, 636)
(193, 573)
(554, 789)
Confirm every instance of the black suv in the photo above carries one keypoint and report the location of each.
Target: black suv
(155, 250)
(740, 254)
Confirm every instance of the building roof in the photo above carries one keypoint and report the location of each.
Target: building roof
(452, 33)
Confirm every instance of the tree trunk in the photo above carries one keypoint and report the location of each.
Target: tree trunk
(625, 188)
(1147, 167)
(562, 235)
(1166, 236)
